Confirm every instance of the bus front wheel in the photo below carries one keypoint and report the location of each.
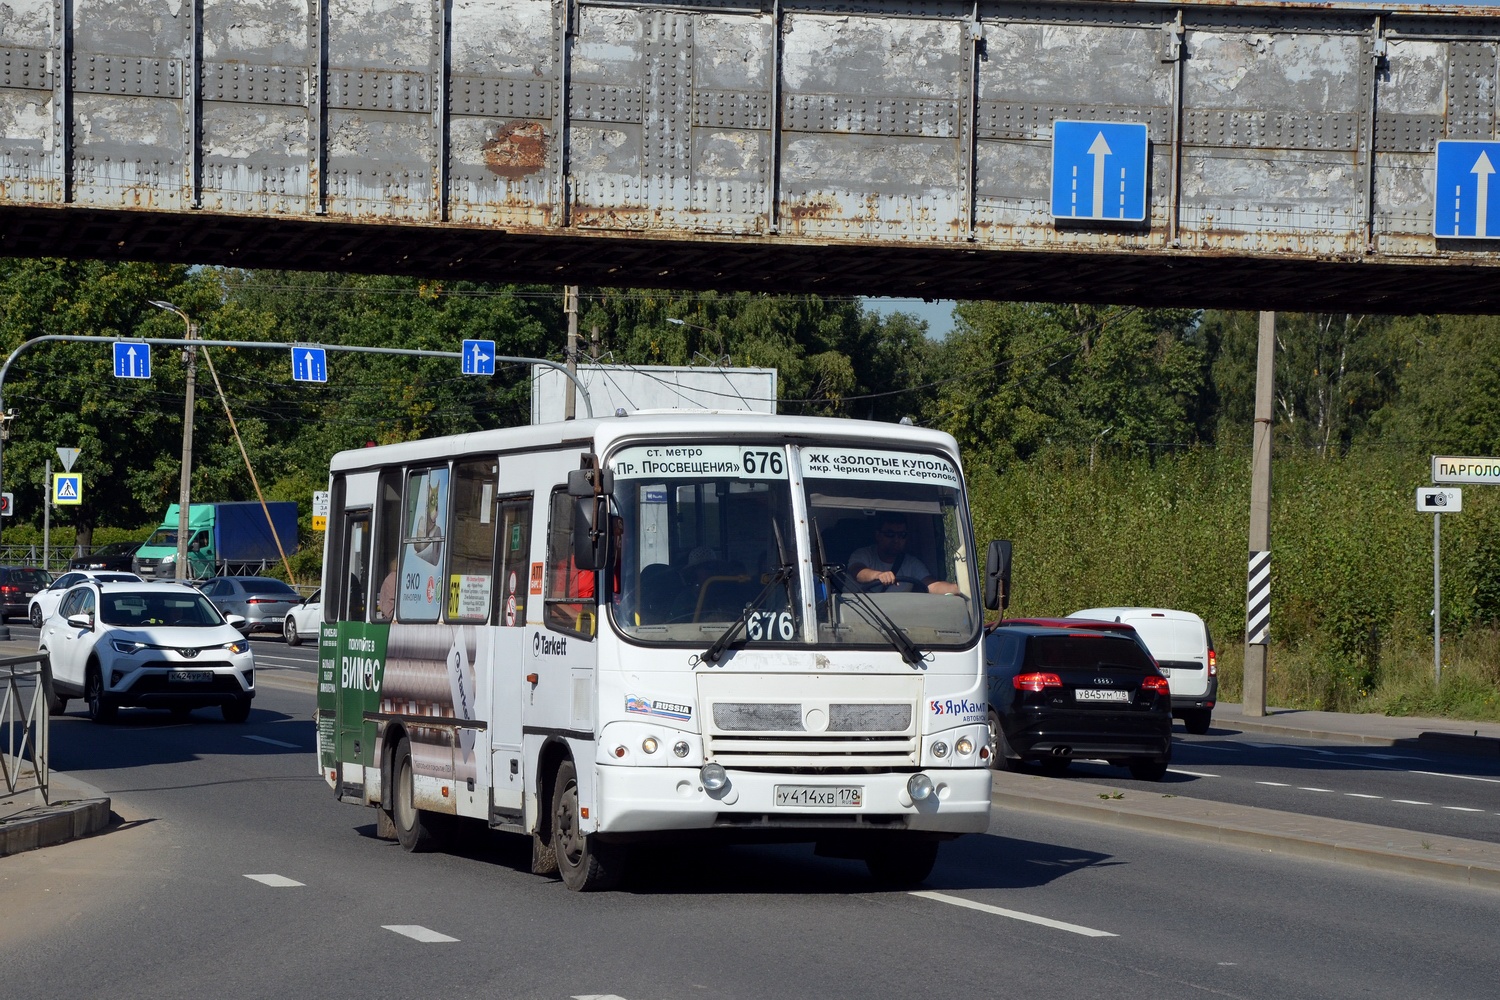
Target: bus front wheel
(584, 863)
(900, 863)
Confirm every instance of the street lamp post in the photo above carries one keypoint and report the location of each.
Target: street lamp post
(184, 487)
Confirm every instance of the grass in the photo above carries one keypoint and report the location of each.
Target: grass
(1398, 682)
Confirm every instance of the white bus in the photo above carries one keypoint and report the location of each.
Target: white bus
(608, 632)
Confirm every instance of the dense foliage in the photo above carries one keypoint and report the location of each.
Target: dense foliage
(1111, 443)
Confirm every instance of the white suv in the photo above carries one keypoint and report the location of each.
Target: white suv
(1184, 650)
(158, 645)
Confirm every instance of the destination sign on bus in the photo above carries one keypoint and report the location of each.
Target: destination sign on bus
(859, 463)
(701, 461)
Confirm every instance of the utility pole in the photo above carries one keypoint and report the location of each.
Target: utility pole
(1258, 588)
(190, 356)
(570, 306)
(47, 517)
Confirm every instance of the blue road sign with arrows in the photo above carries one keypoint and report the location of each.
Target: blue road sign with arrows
(309, 364)
(1462, 205)
(1099, 171)
(479, 357)
(132, 360)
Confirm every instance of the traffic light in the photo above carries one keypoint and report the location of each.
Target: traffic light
(7, 505)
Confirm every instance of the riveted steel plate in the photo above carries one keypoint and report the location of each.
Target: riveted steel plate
(593, 102)
(245, 84)
(376, 90)
(25, 69)
(128, 76)
(870, 115)
(731, 109)
(1269, 129)
(998, 120)
(477, 95)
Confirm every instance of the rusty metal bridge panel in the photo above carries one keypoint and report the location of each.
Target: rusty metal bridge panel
(898, 148)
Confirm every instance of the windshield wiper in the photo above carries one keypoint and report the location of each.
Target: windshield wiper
(781, 575)
(868, 609)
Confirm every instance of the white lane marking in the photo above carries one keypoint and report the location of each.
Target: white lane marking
(1463, 809)
(1212, 746)
(1194, 774)
(598, 996)
(1014, 914)
(1465, 777)
(1304, 788)
(275, 881)
(1411, 802)
(1362, 795)
(418, 933)
(1274, 784)
(274, 743)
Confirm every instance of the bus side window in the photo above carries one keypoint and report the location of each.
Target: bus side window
(513, 560)
(569, 594)
(471, 567)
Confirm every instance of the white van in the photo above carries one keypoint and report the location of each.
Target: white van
(1185, 652)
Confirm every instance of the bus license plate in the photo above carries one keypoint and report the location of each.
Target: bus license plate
(190, 676)
(1091, 694)
(821, 796)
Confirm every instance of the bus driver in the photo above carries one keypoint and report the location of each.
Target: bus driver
(880, 567)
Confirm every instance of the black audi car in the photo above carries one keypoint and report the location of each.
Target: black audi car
(116, 556)
(1063, 694)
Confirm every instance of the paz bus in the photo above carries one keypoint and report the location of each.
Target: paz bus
(611, 632)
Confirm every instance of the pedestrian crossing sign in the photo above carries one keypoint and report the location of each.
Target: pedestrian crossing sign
(67, 488)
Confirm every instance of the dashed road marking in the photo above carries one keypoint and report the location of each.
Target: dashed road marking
(274, 743)
(1463, 809)
(418, 933)
(1274, 784)
(1363, 795)
(275, 881)
(1411, 802)
(1465, 777)
(1305, 788)
(598, 996)
(1029, 918)
(1192, 774)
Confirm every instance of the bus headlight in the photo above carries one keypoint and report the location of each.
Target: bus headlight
(919, 787)
(648, 745)
(715, 778)
(964, 746)
(680, 748)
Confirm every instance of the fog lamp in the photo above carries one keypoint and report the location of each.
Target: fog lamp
(648, 745)
(940, 749)
(919, 787)
(714, 777)
(680, 748)
(964, 746)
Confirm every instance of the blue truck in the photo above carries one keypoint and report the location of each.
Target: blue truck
(224, 539)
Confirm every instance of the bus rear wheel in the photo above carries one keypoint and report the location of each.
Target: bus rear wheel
(411, 823)
(901, 862)
(584, 863)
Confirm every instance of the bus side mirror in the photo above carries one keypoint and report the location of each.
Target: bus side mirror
(590, 482)
(997, 575)
(588, 545)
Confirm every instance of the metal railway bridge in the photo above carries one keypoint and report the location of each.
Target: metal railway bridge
(1289, 155)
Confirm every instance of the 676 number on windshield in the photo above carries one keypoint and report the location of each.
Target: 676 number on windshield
(771, 626)
(763, 463)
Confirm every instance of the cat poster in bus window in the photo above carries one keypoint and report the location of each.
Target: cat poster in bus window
(422, 592)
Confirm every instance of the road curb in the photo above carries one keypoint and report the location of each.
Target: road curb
(1451, 859)
(78, 810)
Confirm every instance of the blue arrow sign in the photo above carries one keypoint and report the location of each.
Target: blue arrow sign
(1099, 171)
(1463, 204)
(309, 364)
(479, 357)
(132, 360)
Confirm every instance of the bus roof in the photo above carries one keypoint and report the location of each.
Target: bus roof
(601, 433)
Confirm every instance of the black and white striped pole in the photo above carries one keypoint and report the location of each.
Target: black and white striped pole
(1258, 587)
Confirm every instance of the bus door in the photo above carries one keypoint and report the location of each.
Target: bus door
(509, 657)
(561, 649)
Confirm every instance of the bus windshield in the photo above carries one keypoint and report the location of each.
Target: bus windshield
(894, 545)
(704, 530)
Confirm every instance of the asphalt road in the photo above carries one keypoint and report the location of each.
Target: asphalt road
(236, 873)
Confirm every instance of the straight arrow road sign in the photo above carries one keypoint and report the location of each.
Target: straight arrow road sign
(1461, 203)
(132, 360)
(1099, 170)
(309, 364)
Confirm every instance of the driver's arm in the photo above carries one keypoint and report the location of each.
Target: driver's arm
(936, 586)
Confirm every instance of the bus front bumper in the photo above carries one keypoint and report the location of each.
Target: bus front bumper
(643, 799)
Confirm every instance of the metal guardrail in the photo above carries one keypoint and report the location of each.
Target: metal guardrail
(27, 684)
